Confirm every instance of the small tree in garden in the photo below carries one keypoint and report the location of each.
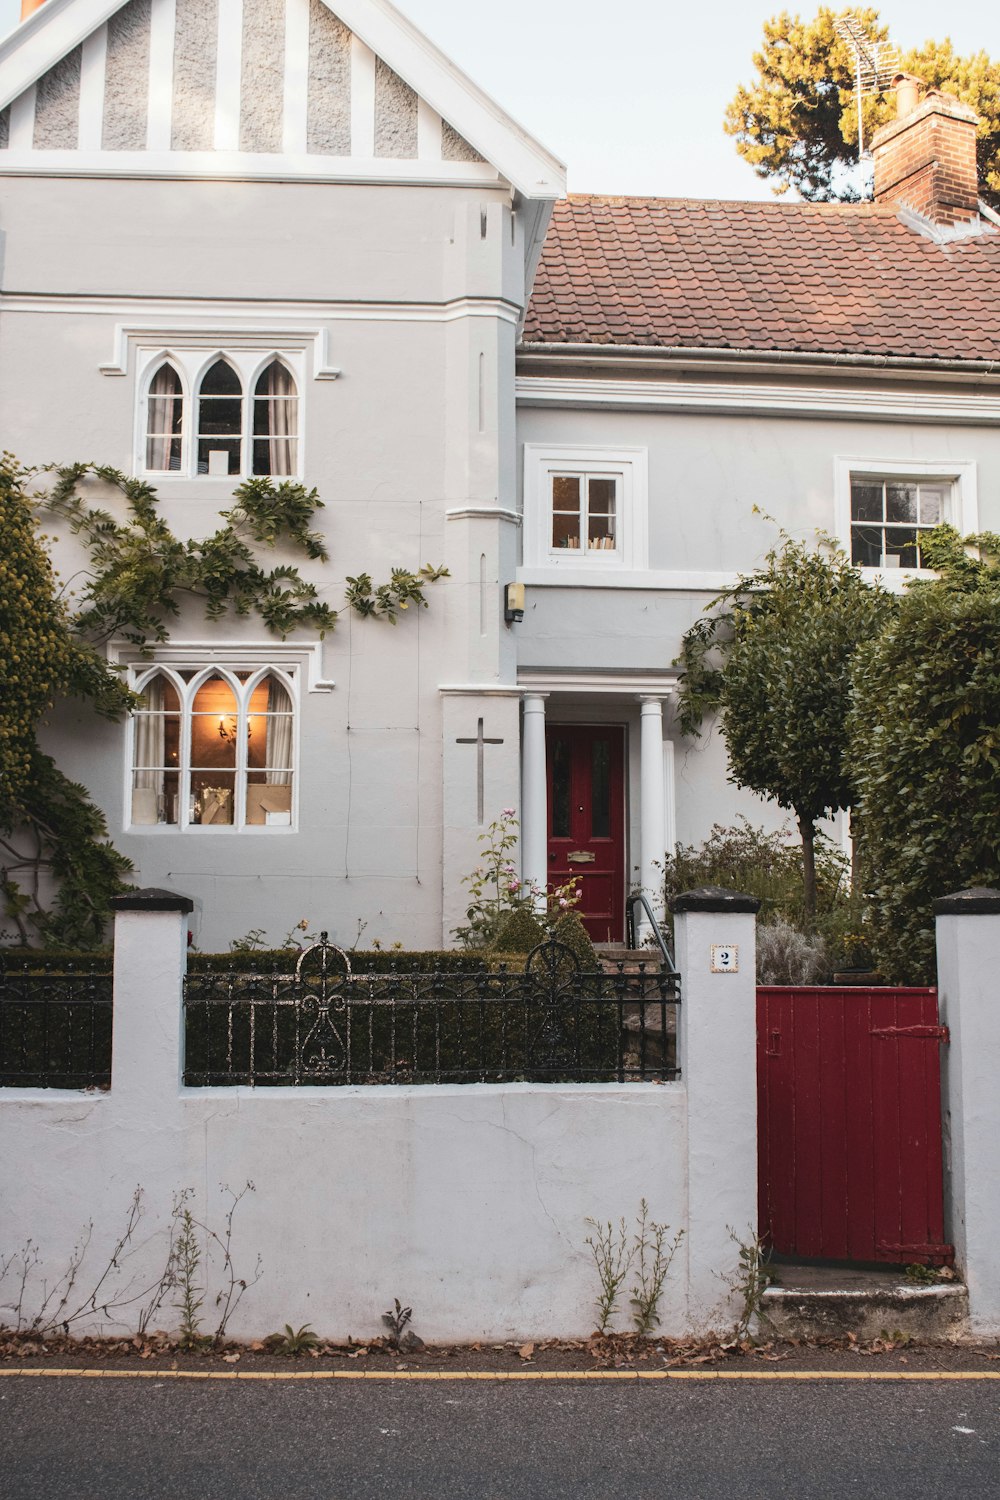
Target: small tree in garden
(926, 749)
(774, 654)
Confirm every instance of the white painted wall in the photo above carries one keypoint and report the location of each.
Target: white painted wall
(416, 291)
(468, 1202)
(707, 473)
(968, 932)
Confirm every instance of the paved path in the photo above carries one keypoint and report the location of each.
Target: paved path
(805, 1439)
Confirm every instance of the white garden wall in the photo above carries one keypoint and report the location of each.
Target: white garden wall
(467, 1202)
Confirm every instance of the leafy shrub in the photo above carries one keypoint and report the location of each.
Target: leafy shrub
(926, 735)
(518, 931)
(569, 930)
(787, 956)
(756, 863)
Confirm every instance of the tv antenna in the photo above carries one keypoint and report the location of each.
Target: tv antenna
(875, 64)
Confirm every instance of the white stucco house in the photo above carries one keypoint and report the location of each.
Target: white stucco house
(278, 237)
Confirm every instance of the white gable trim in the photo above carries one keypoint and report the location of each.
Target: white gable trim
(38, 43)
(19, 160)
(526, 164)
(296, 92)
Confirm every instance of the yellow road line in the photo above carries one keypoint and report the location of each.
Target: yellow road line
(36, 1371)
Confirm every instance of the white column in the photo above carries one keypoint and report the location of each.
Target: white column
(715, 933)
(968, 942)
(534, 811)
(147, 1056)
(652, 842)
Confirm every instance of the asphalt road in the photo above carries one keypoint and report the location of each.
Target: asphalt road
(107, 1439)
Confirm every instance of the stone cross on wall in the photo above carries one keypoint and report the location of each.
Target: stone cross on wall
(479, 741)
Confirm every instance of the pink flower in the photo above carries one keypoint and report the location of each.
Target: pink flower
(563, 901)
(514, 886)
(508, 812)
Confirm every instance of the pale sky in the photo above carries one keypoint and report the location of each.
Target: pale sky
(631, 94)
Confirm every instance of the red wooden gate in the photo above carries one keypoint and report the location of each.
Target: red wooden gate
(849, 1124)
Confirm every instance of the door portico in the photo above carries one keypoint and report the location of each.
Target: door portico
(586, 705)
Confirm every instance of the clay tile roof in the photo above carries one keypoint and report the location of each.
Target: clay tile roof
(806, 277)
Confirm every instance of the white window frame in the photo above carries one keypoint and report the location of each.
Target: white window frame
(191, 363)
(630, 466)
(961, 507)
(141, 673)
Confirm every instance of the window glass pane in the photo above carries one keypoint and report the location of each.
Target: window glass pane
(222, 415)
(931, 506)
(269, 731)
(155, 797)
(164, 418)
(901, 543)
(157, 740)
(219, 455)
(269, 802)
(561, 773)
(600, 790)
(866, 546)
(160, 696)
(601, 494)
(566, 531)
(214, 725)
(275, 422)
(866, 502)
(221, 380)
(220, 421)
(566, 493)
(901, 502)
(566, 498)
(213, 796)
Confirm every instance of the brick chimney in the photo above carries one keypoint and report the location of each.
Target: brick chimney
(926, 158)
(28, 8)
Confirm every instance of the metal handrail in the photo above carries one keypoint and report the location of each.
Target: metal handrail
(638, 899)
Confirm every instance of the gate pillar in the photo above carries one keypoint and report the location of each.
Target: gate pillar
(147, 1051)
(968, 953)
(717, 1025)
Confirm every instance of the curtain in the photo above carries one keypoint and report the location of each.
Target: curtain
(282, 417)
(162, 443)
(279, 735)
(150, 739)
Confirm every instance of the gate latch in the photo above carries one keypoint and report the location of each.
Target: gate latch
(930, 1033)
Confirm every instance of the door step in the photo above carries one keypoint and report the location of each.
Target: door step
(610, 955)
(813, 1302)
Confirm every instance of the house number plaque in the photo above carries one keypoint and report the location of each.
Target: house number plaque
(725, 958)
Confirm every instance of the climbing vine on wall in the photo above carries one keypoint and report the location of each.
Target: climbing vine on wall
(58, 869)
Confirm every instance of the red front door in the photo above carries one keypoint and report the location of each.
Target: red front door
(586, 765)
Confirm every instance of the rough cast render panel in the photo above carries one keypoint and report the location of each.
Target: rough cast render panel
(395, 115)
(455, 147)
(329, 105)
(195, 49)
(57, 105)
(4, 128)
(126, 79)
(262, 91)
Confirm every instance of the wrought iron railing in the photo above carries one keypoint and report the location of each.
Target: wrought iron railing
(637, 898)
(55, 1025)
(550, 1022)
